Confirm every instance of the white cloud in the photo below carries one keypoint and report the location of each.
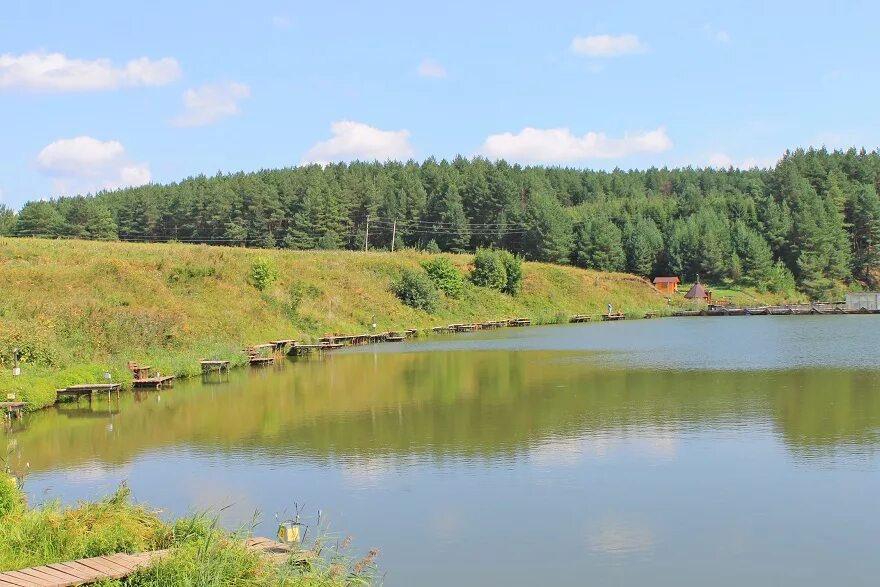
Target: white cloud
(719, 36)
(724, 161)
(608, 45)
(55, 72)
(558, 145)
(430, 68)
(86, 164)
(356, 140)
(210, 103)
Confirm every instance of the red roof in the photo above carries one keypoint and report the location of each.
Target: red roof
(697, 292)
(666, 280)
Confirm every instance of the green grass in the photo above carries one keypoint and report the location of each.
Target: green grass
(200, 553)
(78, 309)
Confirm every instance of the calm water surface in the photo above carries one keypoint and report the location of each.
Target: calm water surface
(722, 451)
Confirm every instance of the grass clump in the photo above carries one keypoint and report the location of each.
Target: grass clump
(199, 552)
(31, 537)
(416, 290)
(445, 275)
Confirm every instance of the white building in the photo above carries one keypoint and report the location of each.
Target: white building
(866, 300)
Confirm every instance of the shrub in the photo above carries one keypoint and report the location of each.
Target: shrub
(445, 276)
(296, 293)
(513, 267)
(416, 290)
(432, 247)
(263, 273)
(489, 270)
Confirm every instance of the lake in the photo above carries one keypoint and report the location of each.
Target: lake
(722, 451)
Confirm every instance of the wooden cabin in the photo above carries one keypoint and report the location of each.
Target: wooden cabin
(667, 285)
(698, 293)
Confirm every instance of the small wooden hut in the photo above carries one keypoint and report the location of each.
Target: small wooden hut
(667, 285)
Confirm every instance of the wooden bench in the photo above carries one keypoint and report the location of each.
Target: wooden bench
(139, 371)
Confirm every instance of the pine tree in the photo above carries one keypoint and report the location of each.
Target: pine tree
(643, 243)
(866, 233)
(598, 244)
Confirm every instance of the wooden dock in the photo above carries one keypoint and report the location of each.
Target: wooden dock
(158, 382)
(817, 308)
(519, 322)
(86, 571)
(261, 360)
(13, 409)
(613, 317)
(87, 389)
(209, 365)
(580, 318)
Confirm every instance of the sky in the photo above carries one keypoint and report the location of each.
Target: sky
(99, 95)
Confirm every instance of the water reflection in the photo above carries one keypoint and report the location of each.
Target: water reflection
(471, 405)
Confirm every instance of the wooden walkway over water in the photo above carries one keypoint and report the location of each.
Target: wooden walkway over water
(117, 566)
(817, 308)
(87, 389)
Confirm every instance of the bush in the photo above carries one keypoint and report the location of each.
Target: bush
(416, 290)
(263, 273)
(489, 270)
(445, 276)
(432, 247)
(296, 293)
(513, 267)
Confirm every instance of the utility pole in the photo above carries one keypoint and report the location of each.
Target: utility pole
(393, 235)
(367, 235)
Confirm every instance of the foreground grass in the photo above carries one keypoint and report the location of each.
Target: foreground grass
(78, 309)
(200, 554)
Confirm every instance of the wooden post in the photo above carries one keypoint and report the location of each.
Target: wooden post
(367, 235)
(393, 235)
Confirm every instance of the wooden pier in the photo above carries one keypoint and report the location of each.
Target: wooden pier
(261, 360)
(209, 365)
(13, 409)
(87, 389)
(519, 322)
(817, 308)
(580, 318)
(157, 382)
(613, 317)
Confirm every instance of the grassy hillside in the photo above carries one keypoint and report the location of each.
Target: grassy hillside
(77, 309)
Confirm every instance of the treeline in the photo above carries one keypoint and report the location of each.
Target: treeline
(813, 220)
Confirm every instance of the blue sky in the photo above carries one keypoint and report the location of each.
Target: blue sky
(102, 94)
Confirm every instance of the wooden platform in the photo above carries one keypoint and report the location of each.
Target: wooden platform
(214, 365)
(261, 360)
(157, 382)
(117, 566)
(80, 572)
(613, 317)
(11, 409)
(87, 389)
(519, 322)
(580, 318)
